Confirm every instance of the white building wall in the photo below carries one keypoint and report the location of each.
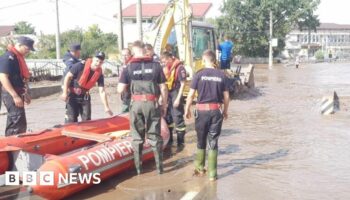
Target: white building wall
(336, 42)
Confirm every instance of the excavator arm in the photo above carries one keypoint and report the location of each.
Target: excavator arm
(177, 16)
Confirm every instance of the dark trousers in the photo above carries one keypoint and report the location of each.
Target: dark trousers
(16, 117)
(175, 116)
(225, 64)
(208, 127)
(78, 105)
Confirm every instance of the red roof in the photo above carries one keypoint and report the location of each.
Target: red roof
(6, 30)
(155, 9)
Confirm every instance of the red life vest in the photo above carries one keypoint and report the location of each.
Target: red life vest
(171, 73)
(83, 80)
(24, 71)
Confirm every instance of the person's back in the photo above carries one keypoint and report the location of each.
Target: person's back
(212, 107)
(210, 84)
(225, 49)
(146, 81)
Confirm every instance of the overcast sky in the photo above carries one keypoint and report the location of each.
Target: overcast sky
(82, 13)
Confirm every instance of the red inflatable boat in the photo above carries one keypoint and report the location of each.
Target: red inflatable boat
(77, 155)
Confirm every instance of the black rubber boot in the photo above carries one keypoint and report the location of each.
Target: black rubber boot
(180, 138)
(171, 130)
(158, 157)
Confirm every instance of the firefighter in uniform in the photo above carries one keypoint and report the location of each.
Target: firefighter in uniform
(175, 74)
(77, 83)
(147, 84)
(125, 96)
(212, 88)
(71, 57)
(14, 77)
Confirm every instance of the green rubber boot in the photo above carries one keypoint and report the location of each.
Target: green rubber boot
(212, 164)
(199, 162)
(138, 158)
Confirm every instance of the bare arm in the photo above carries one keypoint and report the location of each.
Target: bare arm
(121, 87)
(164, 97)
(226, 104)
(189, 101)
(66, 82)
(4, 79)
(104, 100)
(179, 95)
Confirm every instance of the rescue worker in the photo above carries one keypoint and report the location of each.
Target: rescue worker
(150, 52)
(225, 49)
(125, 95)
(212, 88)
(147, 83)
(71, 57)
(14, 77)
(77, 83)
(175, 74)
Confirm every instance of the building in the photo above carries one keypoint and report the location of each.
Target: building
(150, 12)
(330, 38)
(6, 31)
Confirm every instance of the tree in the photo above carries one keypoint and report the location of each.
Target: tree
(247, 21)
(23, 27)
(91, 40)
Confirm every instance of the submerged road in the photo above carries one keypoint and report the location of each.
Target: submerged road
(275, 144)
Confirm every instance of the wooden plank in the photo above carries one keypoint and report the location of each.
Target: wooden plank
(118, 134)
(87, 135)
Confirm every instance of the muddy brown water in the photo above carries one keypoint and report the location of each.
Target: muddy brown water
(275, 144)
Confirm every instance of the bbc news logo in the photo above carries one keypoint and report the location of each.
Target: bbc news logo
(47, 178)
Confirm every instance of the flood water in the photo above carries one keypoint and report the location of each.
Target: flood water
(275, 144)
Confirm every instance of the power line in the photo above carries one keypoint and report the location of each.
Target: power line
(17, 4)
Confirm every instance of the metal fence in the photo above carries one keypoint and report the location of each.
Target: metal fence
(51, 69)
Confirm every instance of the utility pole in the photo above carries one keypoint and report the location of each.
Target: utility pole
(270, 46)
(58, 46)
(120, 25)
(139, 18)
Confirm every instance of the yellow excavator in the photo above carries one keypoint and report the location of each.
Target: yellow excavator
(188, 38)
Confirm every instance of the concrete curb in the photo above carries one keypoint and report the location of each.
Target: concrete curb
(37, 92)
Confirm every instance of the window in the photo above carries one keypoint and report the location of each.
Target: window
(203, 39)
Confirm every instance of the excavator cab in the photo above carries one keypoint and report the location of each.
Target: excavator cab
(203, 38)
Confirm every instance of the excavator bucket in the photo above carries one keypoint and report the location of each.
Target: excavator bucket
(247, 76)
(240, 79)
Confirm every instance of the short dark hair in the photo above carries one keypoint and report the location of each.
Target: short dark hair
(210, 55)
(148, 47)
(166, 54)
(138, 44)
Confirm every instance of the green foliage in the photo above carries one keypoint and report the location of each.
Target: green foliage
(91, 40)
(319, 55)
(23, 27)
(248, 22)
